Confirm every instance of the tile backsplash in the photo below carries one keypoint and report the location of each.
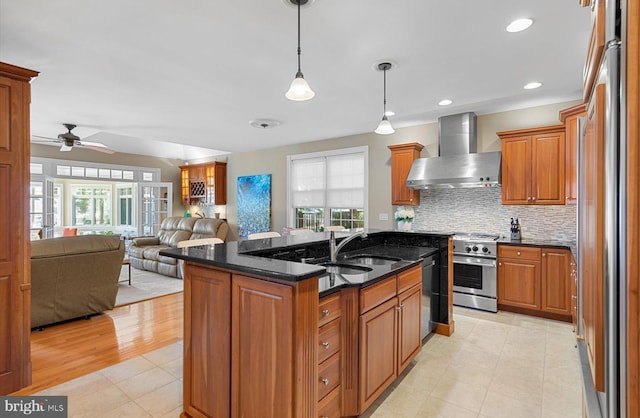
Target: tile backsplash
(481, 210)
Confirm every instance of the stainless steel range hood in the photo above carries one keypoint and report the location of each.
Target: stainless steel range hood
(459, 165)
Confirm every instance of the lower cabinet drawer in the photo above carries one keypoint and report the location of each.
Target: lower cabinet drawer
(329, 309)
(328, 375)
(512, 251)
(328, 340)
(374, 295)
(329, 406)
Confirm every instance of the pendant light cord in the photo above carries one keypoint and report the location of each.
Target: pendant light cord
(384, 102)
(299, 50)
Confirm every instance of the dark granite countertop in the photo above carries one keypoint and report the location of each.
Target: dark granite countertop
(569, 245)
(260, 257)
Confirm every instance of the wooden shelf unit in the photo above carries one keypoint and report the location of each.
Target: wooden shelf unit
(402, 157)
(204, 183)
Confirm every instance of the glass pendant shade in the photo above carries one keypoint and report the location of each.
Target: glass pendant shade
(384, 127)
(299, 89)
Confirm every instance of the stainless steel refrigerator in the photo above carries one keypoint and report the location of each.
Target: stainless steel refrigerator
(612, 401)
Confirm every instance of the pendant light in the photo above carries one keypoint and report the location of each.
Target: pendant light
(384, 127)
(299, 89)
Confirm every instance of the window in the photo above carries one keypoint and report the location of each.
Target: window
(124, 195)
(91, 205)
(328, 188)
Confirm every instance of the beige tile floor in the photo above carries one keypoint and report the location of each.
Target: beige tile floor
(495, 365)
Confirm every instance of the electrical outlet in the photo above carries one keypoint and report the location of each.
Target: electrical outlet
(383, 216)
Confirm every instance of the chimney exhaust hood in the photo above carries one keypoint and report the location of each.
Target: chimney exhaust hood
(459, 165)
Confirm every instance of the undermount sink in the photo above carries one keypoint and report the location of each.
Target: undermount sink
(372, 260)
(346, 269)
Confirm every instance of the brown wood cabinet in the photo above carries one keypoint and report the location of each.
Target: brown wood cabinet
(15, 254)
(330, 356)
(389, 332)
(570, 119)
(591, 207)
(204, 183)
(519, 282)
(402, 157)
(632, 193)
(533, 166)
(595, 48)
(378, 351)
(250, 345)
(535, 281)
(574, 294)
(556, 281)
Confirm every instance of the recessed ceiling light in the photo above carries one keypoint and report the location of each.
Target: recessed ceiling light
(532, 85)
(264, 123)
(390, 113)
(445, 102)
(519, 25)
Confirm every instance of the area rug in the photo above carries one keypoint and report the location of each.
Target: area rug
(145, 285)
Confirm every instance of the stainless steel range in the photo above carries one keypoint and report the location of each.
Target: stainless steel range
(474, 271)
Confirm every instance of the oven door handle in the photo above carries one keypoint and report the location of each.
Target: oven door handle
(474, 261)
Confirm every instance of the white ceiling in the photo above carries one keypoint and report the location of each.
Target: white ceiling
(138, 75)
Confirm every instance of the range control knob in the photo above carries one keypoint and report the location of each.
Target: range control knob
(475, 248)
(485, 250)
(467, 249)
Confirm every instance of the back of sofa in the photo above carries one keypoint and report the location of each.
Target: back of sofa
(175, 229)
(74, 276)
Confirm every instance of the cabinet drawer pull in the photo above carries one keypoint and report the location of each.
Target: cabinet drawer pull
(325, 345)
(533, 198)
(574, 297)
(325, 381)
(325, 312)
(529, 198)
(544, 254)
(500, 264)
(518, 252)
(398, 308)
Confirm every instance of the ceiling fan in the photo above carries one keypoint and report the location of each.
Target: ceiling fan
(69, 140)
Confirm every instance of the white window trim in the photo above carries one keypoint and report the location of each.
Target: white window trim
(341, 151)
(49, 168)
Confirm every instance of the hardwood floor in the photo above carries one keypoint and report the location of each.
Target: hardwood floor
(63, 352)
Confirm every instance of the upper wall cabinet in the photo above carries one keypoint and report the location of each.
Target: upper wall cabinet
(402, 157)
(204, 183)
(596, 47)
(570, 119)
(533, 166)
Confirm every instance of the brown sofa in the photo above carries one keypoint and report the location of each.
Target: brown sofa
(144, 251)
(72, 277)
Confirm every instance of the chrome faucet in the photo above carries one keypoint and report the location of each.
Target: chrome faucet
(335, 249)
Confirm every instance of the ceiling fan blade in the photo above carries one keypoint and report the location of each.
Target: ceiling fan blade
(93, 144)
(65, 147)
(45, 138)
(97, 148)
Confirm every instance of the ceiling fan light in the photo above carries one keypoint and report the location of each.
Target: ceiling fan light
(299, 89)
(384, 127)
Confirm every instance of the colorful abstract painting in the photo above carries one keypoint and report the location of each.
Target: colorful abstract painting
(254, 204)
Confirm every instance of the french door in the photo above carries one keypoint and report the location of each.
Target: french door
(154, 205)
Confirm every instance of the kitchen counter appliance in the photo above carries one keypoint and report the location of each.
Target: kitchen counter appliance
(474, 271)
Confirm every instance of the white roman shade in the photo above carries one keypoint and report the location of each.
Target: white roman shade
(308, 182)
(345, 181)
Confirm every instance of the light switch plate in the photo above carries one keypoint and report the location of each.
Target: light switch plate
(383, 216)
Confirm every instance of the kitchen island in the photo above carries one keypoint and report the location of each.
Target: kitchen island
(254, 315)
